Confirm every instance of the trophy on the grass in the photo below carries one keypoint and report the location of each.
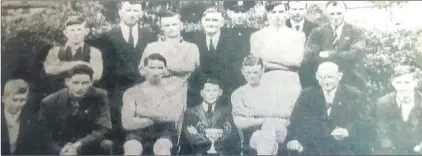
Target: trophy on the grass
(213, 134)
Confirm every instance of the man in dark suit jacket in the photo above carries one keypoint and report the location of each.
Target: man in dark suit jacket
(328, 119)
(75, 119)
(21, 134)
(123, 47)
(218, 57)
(398, 116)
(338, 41)
(209, 115)
(297, 21)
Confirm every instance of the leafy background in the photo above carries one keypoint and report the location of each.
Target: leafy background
(26, 40)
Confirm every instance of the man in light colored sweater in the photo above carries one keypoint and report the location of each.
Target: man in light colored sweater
(151, 112)
(259, 112)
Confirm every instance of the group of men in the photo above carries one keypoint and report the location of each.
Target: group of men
(202, 94)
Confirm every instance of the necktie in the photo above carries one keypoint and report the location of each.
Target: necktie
(297, 27)
(209, 111)
(335, 35)
(130, 40)
(329, 103)
(211, 46)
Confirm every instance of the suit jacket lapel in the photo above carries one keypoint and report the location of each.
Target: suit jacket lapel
(63, 102)
(344, 32)
(216, 116)
(200, 112)
(288, 23)
(415, 114)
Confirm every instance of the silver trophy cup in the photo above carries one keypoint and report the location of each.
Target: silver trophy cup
(213, 134)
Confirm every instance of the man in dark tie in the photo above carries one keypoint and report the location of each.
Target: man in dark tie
(329, 118)
(297, 21)
(219, 57)
(210, 114)
(123, 47)
(398, 115)
(339, 41)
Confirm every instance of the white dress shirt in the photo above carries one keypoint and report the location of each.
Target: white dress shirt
(329, 99)
(215, 38)
(406, 108)
(339, 30)
(300, 24)
(13, 126)
(205, 106)
(125, 32)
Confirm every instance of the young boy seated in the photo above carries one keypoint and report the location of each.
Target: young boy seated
(210, 114)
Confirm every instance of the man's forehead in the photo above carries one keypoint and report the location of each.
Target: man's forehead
(128, 5)
(170, 20)
(337, 8)
(213, 15)
(76, 25)
(328, 67)
(297, 4)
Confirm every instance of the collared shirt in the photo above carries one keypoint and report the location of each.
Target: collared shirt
(406, 108)
(205, 106)
(73, 47)
(329, 96)
(125, 31)
(215, 38)
(300, 24)
(339, 29)
(13, 126)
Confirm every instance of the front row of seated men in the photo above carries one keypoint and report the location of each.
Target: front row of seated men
(332, 118)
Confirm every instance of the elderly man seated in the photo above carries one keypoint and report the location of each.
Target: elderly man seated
(151, 114)
(258, 112)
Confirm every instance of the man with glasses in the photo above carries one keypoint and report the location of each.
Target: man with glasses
(340, 41)
(329, 118)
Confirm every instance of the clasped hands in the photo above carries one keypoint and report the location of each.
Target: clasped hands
(326, 53)
(71, 148)
(338, 133)
(200, 129)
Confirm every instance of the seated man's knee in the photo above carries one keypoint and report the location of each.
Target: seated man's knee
(132, 147)
(162, 146)
(264, 142)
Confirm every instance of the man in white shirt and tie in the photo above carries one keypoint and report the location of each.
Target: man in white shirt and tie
(398, 115)
(329, 118)
(297, 20)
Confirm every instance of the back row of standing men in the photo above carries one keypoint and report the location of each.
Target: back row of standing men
(161, 87)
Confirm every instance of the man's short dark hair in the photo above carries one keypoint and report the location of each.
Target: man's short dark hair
(165, 13)
(288, 4)
(212, 80)
(155, 56)
(73, 20)
(251, 60)
(212, 9)
(335, 3)
(119, 4)
(80, 69)
(269, 6)
(401, 70)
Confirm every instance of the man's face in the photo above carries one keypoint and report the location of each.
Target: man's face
(212, 22)
(335, 14)
(14, 103)
(237, 17)
(297, 10)
(154, 71)
(404, 83)
(78, 85)
(277, 16)
(211, 92)
(253, 74)
(76, 33)
(171, 26)
(130, 14)
(329, 79)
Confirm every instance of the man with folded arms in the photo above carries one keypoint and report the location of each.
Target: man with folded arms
(259, 113)
(152, 113)
(398, 115)
(329, 118)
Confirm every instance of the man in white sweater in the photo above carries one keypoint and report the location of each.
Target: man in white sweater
(258, 112)
(151, 113)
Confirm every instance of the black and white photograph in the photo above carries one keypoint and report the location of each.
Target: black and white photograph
(216, 77)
